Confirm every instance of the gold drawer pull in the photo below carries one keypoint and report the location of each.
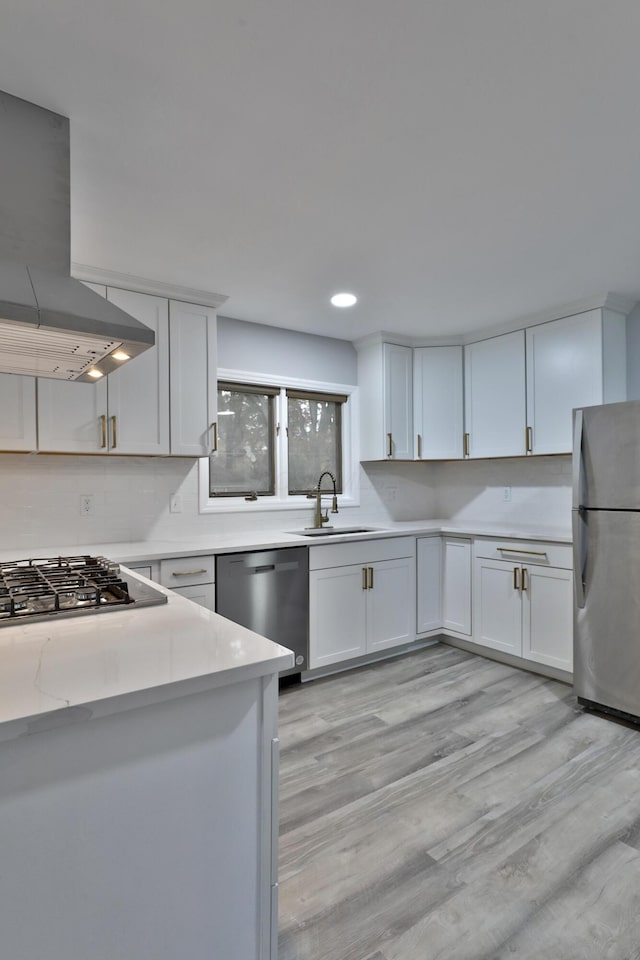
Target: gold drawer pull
(465, 444)
(370, 584)
(516, 578)
(419, 447)
(529, 553)
(524, 579)
(364, 578)
(114, 427)
(529, 440)
(214, 440)
(103, 431)
(189, 573)
(390, 444)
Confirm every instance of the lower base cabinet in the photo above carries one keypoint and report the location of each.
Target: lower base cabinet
(523, 601)
(191, 577)
(361, 598)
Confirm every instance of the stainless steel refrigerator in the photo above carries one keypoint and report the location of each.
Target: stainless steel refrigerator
(606, 545)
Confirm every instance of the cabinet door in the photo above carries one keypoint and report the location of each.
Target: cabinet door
(337, 615)
(564, 370)
(547, 616)
(495, 403)
(204, 595)
(456, 600)
(139, 391)
(390, 603)
(437, 403)
(18, 412)
(193, 370)
(429, 583)
(497, 606)
(72, 417)
(398, 401)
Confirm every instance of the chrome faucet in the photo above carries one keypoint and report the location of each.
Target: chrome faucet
(321, 518)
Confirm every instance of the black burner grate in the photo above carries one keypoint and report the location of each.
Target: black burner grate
(60, 585)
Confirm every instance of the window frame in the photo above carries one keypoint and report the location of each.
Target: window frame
(282, 499)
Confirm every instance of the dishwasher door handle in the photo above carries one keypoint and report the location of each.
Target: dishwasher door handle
(264, 569)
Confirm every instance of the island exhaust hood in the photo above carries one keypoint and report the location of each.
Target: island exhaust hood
(50, 324)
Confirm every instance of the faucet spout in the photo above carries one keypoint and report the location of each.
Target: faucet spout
(321, 518)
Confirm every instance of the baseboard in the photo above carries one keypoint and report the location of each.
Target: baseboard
(529, 665)
(343, 665)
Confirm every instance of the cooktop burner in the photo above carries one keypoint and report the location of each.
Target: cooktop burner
(54, 586)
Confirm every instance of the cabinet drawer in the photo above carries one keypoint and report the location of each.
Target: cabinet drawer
(526, 552)
(364, 551)
(186, 571)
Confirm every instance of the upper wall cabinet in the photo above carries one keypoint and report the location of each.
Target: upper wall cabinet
(127, 412)
(18, 412)
(386, 415)
(437, 403)
(193, 385)
(577, 361)
(495, 396)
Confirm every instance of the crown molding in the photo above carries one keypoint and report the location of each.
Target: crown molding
(126, 281)
(607, 301)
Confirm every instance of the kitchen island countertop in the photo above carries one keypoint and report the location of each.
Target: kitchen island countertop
(65, 670)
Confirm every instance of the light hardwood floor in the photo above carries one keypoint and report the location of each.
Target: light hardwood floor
(441, 806)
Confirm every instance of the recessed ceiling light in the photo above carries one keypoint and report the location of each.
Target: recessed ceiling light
(343, 299)
(95, 373)
(120, 355)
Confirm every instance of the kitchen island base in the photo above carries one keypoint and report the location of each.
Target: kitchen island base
(146, 834)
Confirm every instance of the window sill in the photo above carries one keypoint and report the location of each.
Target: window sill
(264, 504)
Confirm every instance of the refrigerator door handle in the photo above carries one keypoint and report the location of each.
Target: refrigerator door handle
(577, 460)
(578, 525)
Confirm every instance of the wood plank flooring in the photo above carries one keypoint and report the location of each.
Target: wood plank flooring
(440, 806)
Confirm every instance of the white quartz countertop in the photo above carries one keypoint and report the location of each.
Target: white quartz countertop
(68, 669)
(139, 551)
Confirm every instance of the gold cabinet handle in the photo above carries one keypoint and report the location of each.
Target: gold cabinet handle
(465, 444)
(114, 433)
(214, 434)
(370, 584)
(189, 573)
(516, 578)
(364, 578)
(419, 447)
(524, 579)
(103, 431)
(389, 444)
(529, 553)
(529, 439)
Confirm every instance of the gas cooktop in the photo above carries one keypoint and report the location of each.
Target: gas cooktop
(38, 589)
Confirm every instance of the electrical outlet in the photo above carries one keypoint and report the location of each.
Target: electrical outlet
(506, 495)
(87, 505)
(175, 503)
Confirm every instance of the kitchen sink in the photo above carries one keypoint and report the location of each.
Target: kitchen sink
(334, 531)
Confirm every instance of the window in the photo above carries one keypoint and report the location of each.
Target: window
(274, 441)
(315, 439)
(244, 463)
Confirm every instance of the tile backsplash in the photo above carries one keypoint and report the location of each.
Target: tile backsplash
(40, 498)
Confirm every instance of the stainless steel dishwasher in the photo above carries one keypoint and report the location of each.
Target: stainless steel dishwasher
(268, 592)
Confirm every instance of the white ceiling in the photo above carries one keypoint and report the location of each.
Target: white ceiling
(456, 163)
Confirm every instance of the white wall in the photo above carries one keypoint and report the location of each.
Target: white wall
(286, 353)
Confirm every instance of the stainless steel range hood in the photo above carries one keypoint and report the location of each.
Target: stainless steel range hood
(50, 324)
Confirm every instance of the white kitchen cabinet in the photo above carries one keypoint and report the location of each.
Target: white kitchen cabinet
(577, 361)
(191, 577)
(139, 391)
(547, 616)
(385, 380)
(523, 601)
(456, 594)
(17, 413)
(495, 398)
(438, 403)
(204, 596)
(429, 583)
(126, 412)
(361, 598)
(193, 379)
